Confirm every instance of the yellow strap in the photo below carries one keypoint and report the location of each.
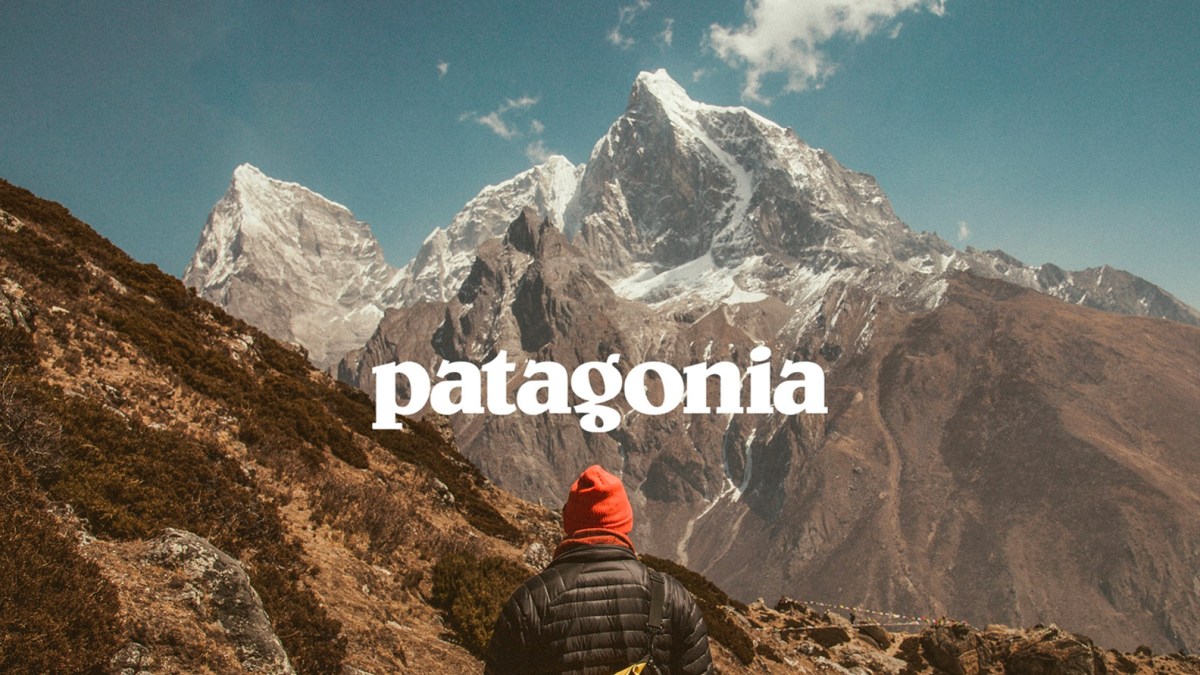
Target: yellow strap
(635, 669)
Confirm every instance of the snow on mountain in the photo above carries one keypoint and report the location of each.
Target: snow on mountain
(293, 263)
(686, 205)
(681, 206)
(677, 185)
(445, 257)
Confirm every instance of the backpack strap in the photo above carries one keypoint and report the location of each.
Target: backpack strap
(654, 626)
(658, 593)
(654, 621)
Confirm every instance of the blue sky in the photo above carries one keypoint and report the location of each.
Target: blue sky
(1064, 131)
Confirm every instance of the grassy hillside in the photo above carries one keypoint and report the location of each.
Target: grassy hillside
(111, 394)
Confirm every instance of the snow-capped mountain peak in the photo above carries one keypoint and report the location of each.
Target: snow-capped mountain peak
(446, 255)
(247, 174)
(659, 87)
(293, 262)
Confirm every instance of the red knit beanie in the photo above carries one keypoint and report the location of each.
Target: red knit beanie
(597, 501)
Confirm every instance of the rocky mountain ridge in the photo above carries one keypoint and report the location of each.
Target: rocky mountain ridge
(684, 201)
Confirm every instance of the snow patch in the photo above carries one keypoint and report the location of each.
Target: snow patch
(700, 278)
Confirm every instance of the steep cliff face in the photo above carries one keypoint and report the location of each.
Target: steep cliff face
(674, 180)
(445, 258)
(682, 201)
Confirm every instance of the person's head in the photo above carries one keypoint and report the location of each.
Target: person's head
(597, 501)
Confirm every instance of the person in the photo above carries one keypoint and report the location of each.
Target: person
(589, 611)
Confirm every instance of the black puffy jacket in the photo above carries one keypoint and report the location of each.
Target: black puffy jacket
(586, 613)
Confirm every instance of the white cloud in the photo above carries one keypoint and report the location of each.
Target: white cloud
(668, 32)
(964, 230)
(536, 127)
(442, 68)
(537, 152)
(497, 124)
(699, 74)
(625, 16)
(615, 37)
(495, 119)
(895, 32)
(788, 37)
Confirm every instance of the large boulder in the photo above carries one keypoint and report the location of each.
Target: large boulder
(1056, 653)
(220, 587)
(955, 649)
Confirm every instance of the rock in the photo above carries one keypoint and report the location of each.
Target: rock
(1126, 664)
(10, 222)
(870, 661)
(537, 556)
(787, 604)
(829, 636)
(15, 310)
(877, 633)
(441, 424)
(1060, 655)
(813, 649)
(766, 652)
(444, 496)
(954, 648)
(132, 659)
(826, 666)
(910, 651)
(219, 581)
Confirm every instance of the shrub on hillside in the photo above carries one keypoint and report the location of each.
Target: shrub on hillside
(57, 613)
(287, 418)
(471, 590)
(383, 516)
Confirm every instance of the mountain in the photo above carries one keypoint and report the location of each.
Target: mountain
(680, 203)
(183, 493)
(689, 204)
(1004, 456)
(990, 452)
(695, 233)
(293, 263)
